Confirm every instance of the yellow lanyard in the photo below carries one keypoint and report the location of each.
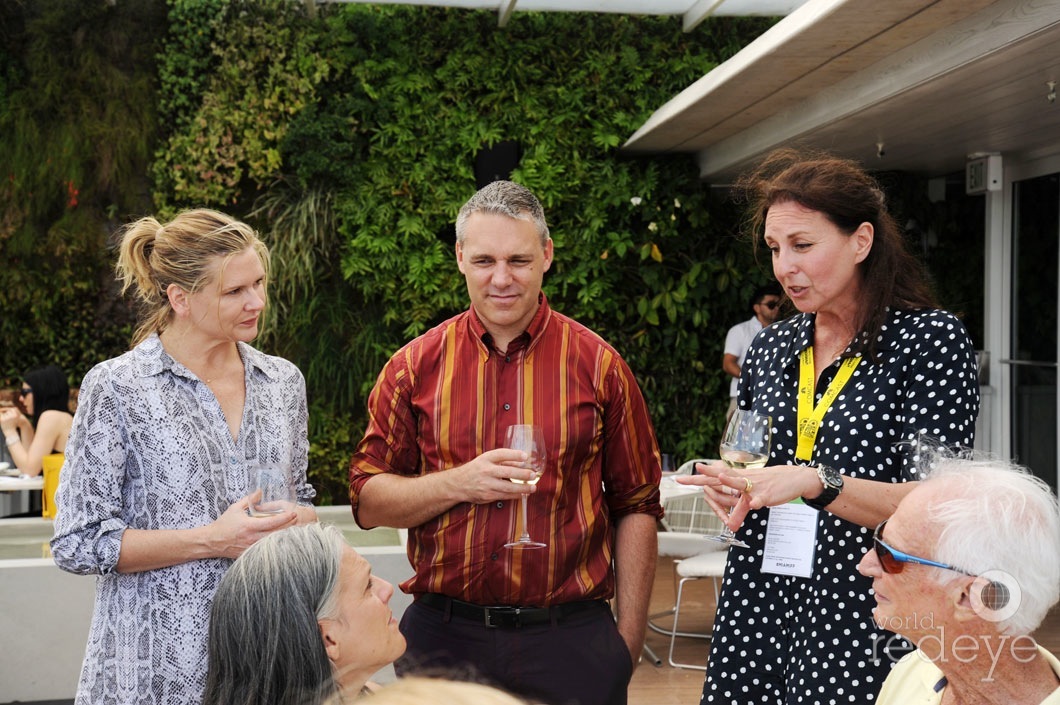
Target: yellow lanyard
(810, 416)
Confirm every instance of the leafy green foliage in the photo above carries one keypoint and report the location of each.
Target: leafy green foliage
(643, 250)
(332, 436)
(264, 70)
(186, 59)
(348, 139)
(76, 126)
(376, 157)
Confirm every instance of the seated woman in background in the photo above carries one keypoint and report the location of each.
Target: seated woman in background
(298, 620)
(46, 397)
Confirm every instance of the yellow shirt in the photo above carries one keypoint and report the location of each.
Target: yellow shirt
(915, 680)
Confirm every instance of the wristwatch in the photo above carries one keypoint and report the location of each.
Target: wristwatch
(832, 480)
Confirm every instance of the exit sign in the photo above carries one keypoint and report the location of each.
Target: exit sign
(982, 174)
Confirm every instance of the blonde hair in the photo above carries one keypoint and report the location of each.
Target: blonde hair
(181, 252)
(438, 691)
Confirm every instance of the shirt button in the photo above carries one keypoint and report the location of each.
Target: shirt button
(493, 556)
(233, 461)
(507, 407)
(500, 505)
(507, 358)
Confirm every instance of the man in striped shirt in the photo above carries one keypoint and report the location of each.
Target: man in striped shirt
(432, 459)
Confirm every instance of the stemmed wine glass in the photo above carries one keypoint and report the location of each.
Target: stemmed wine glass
(745, 444)
(531, 440)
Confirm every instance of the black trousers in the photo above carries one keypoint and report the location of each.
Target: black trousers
(576, 660)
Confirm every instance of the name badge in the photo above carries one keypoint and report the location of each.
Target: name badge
(791, 539)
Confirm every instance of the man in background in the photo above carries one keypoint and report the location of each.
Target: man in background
(765, 303)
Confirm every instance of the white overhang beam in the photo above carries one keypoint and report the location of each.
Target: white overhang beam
(699, 12)
(504, 13)
(911, 69)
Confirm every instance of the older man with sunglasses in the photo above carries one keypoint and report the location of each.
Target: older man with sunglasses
(966, 568)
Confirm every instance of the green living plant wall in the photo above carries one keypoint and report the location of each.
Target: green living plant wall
(350, 140)
(77, 123)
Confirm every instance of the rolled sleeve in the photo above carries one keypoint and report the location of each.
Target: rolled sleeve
(89, 524)
(389, 443)
(632, 468)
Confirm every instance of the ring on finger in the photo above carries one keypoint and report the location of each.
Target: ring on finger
(748, 486)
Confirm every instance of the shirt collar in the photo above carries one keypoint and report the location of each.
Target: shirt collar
(150, 359)
(527, 338)
(803, 328)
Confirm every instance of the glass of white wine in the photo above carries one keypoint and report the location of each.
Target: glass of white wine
(531, 440)
(745, 444)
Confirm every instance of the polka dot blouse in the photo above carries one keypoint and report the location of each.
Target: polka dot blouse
(781, 639)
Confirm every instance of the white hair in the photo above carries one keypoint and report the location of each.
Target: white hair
(994, 515)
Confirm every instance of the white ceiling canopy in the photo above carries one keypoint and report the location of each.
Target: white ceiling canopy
(909, 85)
(692, 11)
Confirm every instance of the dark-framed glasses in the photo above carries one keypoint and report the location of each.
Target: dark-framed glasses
(771, 305)
(26, 391)
(893, 561)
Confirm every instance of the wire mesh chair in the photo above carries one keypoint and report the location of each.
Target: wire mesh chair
(688, 523)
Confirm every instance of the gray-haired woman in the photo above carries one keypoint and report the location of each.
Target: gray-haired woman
(299, 619)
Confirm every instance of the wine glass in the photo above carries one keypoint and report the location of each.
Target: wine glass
(531, 440)
(745, 444)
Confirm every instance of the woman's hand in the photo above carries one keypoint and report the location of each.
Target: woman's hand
(235, 531)
(726, 488)
(9, 419)
(306, 514)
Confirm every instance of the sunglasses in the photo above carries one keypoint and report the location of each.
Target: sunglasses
(26, 391)
(770, 304)
(893, 561)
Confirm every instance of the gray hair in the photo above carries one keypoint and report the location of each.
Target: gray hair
(504, 198)
(265, 644)
(997, 519)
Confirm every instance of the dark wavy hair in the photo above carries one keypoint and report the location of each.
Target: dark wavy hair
(51, 391)
(846, 194)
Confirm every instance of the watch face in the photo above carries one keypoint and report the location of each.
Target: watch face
(830, 476)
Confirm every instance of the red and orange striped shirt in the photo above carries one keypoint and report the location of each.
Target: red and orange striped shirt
(448, 396)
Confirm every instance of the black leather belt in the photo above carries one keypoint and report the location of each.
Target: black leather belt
(509, 617)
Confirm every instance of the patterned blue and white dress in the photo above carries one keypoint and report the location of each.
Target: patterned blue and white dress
(150, 449)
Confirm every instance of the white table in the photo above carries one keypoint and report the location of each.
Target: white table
(15, 495)
(669, 489)
(10, 484)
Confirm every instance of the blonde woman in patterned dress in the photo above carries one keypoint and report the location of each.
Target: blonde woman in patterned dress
(154, 495)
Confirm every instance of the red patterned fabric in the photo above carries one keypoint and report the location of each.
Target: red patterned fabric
(448, 396)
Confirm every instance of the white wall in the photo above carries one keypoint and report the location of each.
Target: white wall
(45, 614)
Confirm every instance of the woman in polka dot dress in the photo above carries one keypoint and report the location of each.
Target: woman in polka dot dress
(879, 366)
